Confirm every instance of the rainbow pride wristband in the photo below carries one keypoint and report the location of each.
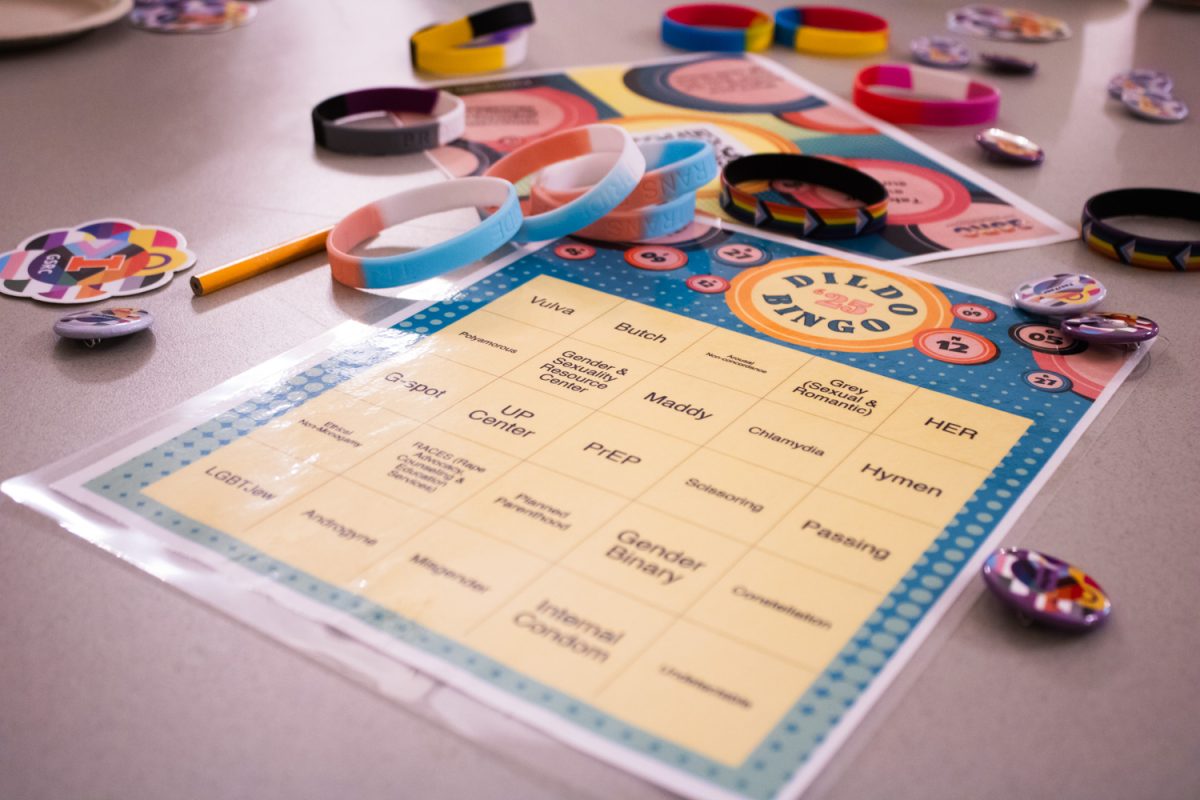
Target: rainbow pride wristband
(978, 103)
(627, 167)
(449, 112)
(488, 40)
(797, 218)
(831, 31)
(1133, 249)
(673, 168)
(428, 262)
(717, 26)
(634, 225)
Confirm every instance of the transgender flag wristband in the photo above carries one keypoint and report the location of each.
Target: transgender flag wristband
(966, 102)
(625, 170)
(384, 271)
(673, 168)
(634, 225)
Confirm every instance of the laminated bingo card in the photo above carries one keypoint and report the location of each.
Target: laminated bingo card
(683, 506)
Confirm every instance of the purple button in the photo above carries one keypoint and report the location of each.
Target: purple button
(1046, 589)
(107, 323)
(1001, 145)
(940, 51)
(1111, 328)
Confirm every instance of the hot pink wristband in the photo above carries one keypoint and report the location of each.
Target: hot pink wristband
(975, 102)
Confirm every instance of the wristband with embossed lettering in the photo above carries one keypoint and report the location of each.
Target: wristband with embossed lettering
(673, 168)
(797, 218)
(831, 31)
(628, 166)
(717, 26)
(428, 262)
(485, 41)
(448, 123)
(632, 225)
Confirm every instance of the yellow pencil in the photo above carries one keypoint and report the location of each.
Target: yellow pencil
(257, 264)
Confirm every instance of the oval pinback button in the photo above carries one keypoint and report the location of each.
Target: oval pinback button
(1154, 106)
(1146, 80)
(1111, 328)
(1060, 295)
(1046, 589)
(1001, 145)
(109, 323)
(940, 51)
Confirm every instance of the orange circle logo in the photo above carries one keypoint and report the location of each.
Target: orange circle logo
(833, 304)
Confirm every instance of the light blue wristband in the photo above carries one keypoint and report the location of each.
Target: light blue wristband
(429, 262)
(673, 168)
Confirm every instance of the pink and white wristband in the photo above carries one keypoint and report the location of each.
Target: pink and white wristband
(624, 172)
(428, 262)
(966, 102)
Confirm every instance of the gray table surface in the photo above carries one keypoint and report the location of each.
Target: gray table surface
(115, 685)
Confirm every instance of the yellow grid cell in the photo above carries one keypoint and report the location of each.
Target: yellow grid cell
(237, 485)
(511, 418)
(416, 384)
(654, 557)
(681, 405)
(490, 342)
(641, 331)
(568, 632)
(553, 304)
(788, 441)
(333, 431)
(843, 394)
(337, 531)
(538, 510)
(448, 578)
(739, 362)
(721, 707)
(725, 494)
(613, 454)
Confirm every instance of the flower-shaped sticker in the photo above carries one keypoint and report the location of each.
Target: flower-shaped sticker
(93, 261)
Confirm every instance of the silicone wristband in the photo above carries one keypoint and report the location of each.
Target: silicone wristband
(501, 29)
(831, 31)
(979, 104)
(634, 225)
(626, 170)
(428, 262)
(490, 53)
(717, 26)
(673, 168)
(798, 218)
(1134, 249)
(449, 112)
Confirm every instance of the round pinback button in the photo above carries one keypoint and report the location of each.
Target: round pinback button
(1000, 145)
(109, 323)
(1146, 80)
(1111, 328)
(1046, 589)
(1154, 106)
(1060, 295)
(940, 51)
(1004, 64)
